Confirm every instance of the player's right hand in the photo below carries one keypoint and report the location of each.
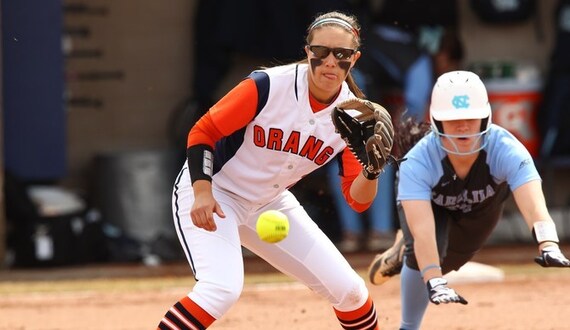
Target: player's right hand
(551, 256)
(440, 293)
(204, 207)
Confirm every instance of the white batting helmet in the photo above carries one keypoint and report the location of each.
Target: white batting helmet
(459, 95)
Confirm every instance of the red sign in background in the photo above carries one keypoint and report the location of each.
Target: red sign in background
(516, 111)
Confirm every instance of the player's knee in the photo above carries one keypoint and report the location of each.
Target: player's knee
(217, 297)
(230, 295)
(354, 296)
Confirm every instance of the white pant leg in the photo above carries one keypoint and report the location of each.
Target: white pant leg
(308, 255)
(215, 257)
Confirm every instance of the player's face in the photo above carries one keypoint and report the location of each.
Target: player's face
(331, 62)
(462, 135)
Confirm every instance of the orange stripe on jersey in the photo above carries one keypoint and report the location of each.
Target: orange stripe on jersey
(231, 113)
(351, 169)
(363, 318)
(316, 105)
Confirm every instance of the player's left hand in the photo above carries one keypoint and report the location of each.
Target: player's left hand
(369, 134)
(551, 256)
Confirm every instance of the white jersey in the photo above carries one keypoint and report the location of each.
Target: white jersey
(285, 141)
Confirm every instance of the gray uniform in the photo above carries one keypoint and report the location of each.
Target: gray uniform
(466, 210)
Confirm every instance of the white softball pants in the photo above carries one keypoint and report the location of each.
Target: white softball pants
(306, 254)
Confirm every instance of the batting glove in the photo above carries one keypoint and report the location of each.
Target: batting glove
(551, 256)
(440, 293)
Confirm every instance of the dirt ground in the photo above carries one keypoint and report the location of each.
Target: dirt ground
(135, 297)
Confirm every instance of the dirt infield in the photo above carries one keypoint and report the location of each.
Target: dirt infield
(135, 297)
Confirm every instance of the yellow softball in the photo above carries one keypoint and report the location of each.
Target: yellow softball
(272, 226)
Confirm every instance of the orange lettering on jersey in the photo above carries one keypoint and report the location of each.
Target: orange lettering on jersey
(311, 147)
(275, 139)
(258, 136)
(292, 144)
(324, 156)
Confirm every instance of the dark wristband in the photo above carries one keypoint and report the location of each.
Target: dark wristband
(200, 162)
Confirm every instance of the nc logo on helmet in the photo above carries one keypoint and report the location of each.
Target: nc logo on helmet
(460, 101)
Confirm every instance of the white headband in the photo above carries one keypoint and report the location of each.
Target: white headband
(336, 21)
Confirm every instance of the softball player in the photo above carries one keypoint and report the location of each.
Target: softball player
(452, 189)
(261, 138)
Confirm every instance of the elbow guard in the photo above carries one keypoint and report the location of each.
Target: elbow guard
(200, 162)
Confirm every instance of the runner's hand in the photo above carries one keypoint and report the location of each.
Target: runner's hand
(551, 256)
(440, 293)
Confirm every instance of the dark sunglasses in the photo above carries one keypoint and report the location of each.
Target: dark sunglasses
(339, 53)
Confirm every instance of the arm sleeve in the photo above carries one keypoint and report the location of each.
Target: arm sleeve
(350, 167)
(233, 112)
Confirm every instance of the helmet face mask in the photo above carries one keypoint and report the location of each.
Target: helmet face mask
(460, 95)
(479, 142)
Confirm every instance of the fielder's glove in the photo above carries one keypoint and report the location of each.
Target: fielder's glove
(439, 292)
(551, 256)
(369, 133)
